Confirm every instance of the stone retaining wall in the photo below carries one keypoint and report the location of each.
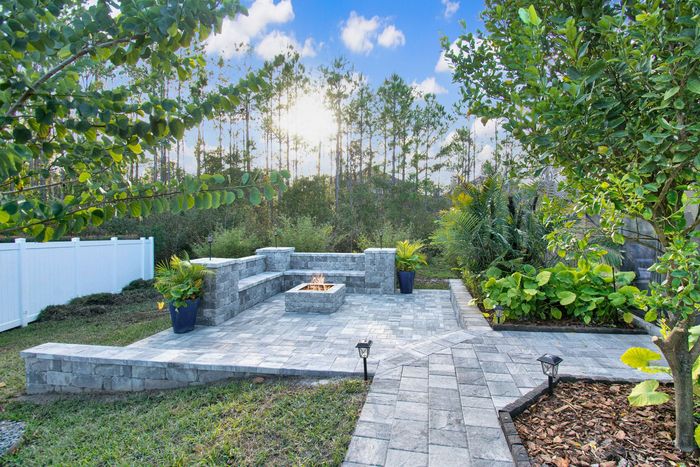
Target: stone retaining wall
(371, 272)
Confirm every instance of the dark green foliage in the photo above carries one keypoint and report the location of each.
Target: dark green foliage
(230, 243)
(138, 284)
(304, 234)
(309, 197)
(584, 293)
(488, 226)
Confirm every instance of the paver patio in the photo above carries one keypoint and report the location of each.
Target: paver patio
(436, 403)
(266, 336)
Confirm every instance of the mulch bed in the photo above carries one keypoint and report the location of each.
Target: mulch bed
(567, 323)
(592, 423)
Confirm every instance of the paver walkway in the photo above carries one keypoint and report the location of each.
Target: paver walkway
(436, 403)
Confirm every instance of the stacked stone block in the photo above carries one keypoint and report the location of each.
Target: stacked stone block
(380, 270)
(220, 301)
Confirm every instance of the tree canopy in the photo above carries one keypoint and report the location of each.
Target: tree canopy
(70, 124)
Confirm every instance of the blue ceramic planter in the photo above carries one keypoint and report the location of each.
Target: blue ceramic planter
(406, 279)
(184, 318)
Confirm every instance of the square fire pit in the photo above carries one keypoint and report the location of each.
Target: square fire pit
(314, 298)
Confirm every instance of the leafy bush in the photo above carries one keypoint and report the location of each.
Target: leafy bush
(387, 235)
(408, 256)
(229, 243)
(304, 234)
(179, 280)
(582, 293)
(488, 226)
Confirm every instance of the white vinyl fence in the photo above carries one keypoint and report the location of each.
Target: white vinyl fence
(35, 275)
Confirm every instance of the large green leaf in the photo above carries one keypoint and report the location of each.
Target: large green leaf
(645, 393)
(640, 357)
(697, 432)
(543, 278)
(566, 297)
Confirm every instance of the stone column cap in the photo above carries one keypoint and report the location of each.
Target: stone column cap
(272, 249)
(380, 250)
(214, 263)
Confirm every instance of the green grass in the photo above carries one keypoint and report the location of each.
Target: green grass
(435, 274)
(278, 422)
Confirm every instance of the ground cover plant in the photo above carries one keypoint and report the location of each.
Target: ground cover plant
(588, 293)
(591, 423)
(241, 422)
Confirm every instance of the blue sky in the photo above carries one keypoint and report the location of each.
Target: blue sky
(378, 38)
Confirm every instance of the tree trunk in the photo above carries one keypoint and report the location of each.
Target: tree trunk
(675, 349)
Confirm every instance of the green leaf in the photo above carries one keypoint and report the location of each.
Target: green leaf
(639, 359)
(694, 85)
(697, 435)
(135, 209)
(556, 313)
(645, 393)
(84, 177)
(532, 13)
(524, 15)
(651, 316)
(4, 216)
(566, 297)
(254, 196)
(628, 317)
(177, 128)
(543, 278)
(245, 178)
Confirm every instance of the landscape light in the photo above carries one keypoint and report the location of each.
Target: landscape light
(550, 367)
(210, 240)
(363, 349)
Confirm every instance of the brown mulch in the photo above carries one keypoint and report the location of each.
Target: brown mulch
(592, 423)
(567, 323)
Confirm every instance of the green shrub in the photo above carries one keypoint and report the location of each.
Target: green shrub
(491, 226)
(304, 234)
(229, 243)
(390, 235)
(101, 303)
(583, 293)
(408, 257)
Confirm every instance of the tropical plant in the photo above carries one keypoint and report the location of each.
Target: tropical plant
(585, 293)
(487, 226)
(72, 125)
(645, 393)
(408, 256)
(179, 280)
(230, 243)
(607, 93)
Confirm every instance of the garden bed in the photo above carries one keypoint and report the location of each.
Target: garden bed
(590, 422)
(567, 325)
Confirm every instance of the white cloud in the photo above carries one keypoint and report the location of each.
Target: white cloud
(450, 8)
(487, 129)
(444, 65)
(360, 34)
(236, 34)
(277, 42)
(391, 37)
(428, 86)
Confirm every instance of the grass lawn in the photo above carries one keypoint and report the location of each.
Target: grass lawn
(276, 422)
(435, 274)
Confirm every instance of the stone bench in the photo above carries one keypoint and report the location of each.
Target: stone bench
(255, 289)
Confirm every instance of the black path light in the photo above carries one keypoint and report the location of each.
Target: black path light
(499, 314)
(550, 367)
(363, 349)
(210, 240)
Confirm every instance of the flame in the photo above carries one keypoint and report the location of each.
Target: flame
(318, 282)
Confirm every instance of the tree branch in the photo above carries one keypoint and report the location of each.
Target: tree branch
(31, 89)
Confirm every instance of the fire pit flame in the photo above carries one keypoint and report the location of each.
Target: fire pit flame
(318, 282)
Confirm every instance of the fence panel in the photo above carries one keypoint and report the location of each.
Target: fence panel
(35, 275)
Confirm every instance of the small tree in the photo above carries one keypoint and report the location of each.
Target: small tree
(72, 123)
(608, 93)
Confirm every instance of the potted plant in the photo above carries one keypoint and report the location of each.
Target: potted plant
(408, 260)
(181, 282)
